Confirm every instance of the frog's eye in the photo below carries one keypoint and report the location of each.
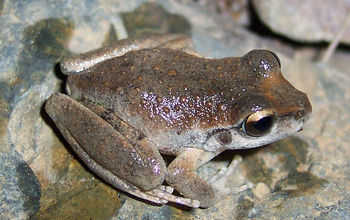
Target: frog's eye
(276, 57)
(259, 123)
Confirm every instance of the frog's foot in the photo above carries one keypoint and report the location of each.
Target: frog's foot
(221, 180)
(165, 193)
(161, 195)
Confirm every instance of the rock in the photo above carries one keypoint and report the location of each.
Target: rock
(20, 190)
(261, 190)
(306, 21)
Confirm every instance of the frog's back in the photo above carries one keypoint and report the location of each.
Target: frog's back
(163, 88)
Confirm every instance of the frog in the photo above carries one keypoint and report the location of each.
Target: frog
(130, 103)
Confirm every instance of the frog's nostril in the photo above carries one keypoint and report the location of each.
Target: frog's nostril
(299, 114)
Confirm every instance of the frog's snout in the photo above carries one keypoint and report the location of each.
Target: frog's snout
(305, 109)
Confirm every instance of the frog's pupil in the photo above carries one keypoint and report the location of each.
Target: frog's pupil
(263, 124)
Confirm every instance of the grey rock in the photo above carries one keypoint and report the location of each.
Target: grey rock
(306, 21)
(20, 190)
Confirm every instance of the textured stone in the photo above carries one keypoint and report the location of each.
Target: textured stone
(307, 21)
(19, 188)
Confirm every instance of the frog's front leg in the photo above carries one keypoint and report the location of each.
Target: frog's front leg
(132, 166)
(183, 177)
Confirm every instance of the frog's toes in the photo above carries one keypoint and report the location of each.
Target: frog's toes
(226, 172)
(165, 193)
(167, 189)
(222, 180)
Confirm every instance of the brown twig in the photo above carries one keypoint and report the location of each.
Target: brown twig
(331, 48)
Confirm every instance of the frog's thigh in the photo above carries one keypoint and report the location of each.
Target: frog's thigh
(183, 177)
(139, 164)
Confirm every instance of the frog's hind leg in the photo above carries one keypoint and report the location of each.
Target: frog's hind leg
(106, 174)
(136, 168)
(104, 149)
(160, 195)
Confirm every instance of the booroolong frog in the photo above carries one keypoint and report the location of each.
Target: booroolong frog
(131, 102)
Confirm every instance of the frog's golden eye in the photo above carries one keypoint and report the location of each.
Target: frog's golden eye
(259, 123)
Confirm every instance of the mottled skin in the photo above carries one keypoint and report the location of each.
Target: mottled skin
(125, 110)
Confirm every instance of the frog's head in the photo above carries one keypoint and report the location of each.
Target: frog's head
(270, 108)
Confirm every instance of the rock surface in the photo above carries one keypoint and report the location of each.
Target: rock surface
(304, 176)
(306, 21)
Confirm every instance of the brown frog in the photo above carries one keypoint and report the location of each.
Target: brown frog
(131, 102)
